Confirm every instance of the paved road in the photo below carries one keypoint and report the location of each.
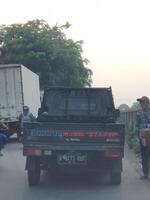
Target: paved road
(13, 183)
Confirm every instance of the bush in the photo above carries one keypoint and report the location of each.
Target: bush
(132, 140)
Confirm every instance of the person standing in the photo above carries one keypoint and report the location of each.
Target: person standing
(143, 121)
(25, 116)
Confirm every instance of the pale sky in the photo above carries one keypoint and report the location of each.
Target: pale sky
(116, 36)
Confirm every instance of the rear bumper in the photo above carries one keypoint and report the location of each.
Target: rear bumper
(76, 147)
(41, 150)
(96, 162)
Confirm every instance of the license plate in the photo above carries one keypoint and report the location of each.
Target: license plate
(72, 158)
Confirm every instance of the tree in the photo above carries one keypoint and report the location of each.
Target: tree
(46, 51)
(135, 106)
(124, 108)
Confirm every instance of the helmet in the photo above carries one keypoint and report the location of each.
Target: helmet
(25, 108)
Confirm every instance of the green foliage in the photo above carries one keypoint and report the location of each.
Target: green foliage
(132, 140)
(46, 51)
(135, 106)
(124, 108)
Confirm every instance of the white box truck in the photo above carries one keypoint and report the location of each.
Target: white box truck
(19, 86)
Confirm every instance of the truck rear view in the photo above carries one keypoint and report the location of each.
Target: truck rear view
(76, 132)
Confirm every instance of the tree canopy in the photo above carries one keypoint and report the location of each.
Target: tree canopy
(124, 108)
(135, 106)
(46, 51)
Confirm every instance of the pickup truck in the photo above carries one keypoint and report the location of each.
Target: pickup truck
(76, 132)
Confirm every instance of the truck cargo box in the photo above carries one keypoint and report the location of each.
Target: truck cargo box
(78, 104)
(18, 86)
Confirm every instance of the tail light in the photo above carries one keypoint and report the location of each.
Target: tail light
(115, 154)
(112, 154)
(32, 152)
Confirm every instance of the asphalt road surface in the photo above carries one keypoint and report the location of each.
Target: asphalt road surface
(14, 186)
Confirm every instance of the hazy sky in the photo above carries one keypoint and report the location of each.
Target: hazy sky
(116, 36)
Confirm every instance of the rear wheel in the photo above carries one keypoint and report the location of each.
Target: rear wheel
(33, 177)
(33, 170)
(115, 178)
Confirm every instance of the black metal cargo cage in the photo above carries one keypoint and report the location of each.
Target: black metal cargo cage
(78, 105)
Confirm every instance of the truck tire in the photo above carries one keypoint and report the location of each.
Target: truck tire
(33, 170)
(115, 178)
(33, 177)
